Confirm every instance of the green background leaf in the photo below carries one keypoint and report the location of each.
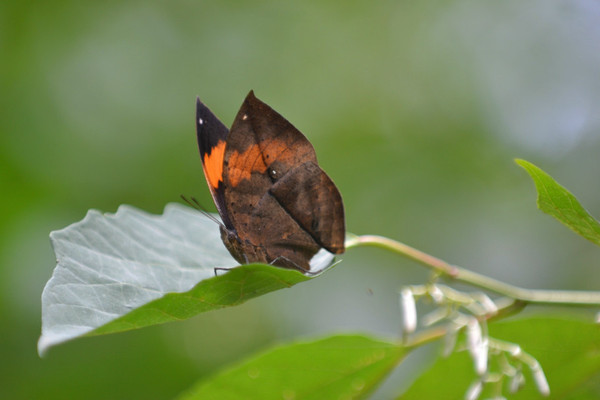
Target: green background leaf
(133, 269)
(567, 348)
(337, 367)
(555, 200)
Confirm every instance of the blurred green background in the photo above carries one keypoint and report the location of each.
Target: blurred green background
(416, 110)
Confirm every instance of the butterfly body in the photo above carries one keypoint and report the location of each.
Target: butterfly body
(277, 205)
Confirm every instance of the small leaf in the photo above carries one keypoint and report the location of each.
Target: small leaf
(567, 349)
(555, 200)
(133, 269)
(337, 367)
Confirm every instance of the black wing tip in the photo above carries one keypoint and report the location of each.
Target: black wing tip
(209, 129)
(204, 116)
(200, 107)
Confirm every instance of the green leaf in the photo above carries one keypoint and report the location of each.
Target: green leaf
(133, 269)
(555, 200)
(337, 367)
(567, 349)
(235, 287)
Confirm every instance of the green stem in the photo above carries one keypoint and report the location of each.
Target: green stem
(564, 297)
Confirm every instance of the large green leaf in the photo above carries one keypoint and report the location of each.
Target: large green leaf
(133, 269)
(235, 287)
(337, 367)
(567, 349)
(555, 200)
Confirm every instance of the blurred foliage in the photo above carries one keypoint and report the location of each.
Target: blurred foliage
(416, 110)
(340, 366)
(567, 349)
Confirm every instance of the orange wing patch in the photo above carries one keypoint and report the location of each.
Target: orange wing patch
(241, 165)
(213, 164)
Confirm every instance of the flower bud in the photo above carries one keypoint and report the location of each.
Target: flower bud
(477, 345)
(409, 310)
(436, 294)
(488, 304)
(516, 382)
(540, 379)
(474, 391)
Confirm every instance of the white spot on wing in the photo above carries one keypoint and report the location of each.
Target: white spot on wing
(320, 261)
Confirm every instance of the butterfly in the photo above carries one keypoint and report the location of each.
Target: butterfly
(276, 204)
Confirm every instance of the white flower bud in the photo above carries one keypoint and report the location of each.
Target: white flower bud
(473, 334)
(409, 310)
(540, 379)
(481, 358)
(516, 382)
(477, 345)
(488, 304)
(474, 391)
(436, 294)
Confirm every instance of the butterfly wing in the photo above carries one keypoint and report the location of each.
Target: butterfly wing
(311, 198)
(276, 195)
(212, 136)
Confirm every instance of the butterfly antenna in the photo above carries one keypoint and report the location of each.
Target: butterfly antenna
(192, 201)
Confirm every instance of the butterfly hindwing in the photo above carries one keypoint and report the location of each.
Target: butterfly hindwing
(311, 199)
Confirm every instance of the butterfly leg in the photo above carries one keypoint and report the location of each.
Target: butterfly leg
(229, 269)
(282, 261)
(221, 269)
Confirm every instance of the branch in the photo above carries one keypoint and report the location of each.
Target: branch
(532, 296)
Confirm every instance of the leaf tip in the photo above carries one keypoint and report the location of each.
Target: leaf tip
(526, 165)
(43, 345)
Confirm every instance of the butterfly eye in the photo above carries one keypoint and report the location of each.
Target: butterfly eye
(272, 173)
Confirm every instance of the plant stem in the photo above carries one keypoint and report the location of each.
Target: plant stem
(533, 296)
